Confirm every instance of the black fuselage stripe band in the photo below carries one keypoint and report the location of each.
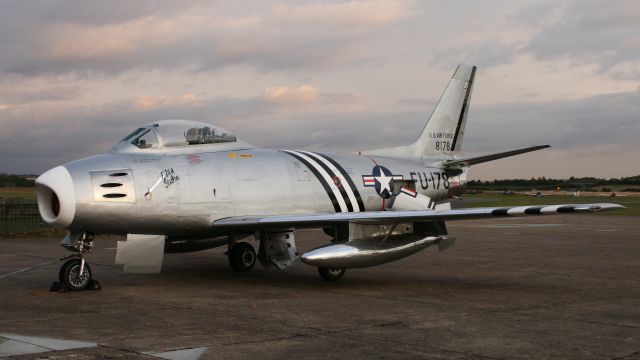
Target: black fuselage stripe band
(337, 190)
(325, 185)
(352, 185)
(333, 175)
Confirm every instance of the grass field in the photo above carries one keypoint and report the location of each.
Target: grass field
(20, 193)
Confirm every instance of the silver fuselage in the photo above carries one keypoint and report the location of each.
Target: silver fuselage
(183, 193)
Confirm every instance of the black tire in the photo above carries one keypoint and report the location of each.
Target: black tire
(69, 275)
(242, 257)
(331, 274)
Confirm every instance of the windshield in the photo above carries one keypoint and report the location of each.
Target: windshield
(143, 138)
(146, 139)
(173, 133)
(136, 132)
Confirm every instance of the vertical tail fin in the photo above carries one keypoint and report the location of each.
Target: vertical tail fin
(443, 133)
(444, 130)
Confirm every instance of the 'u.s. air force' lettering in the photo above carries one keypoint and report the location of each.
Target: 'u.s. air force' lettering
(340, 188)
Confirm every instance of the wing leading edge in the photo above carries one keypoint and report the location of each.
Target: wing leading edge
(320, 220)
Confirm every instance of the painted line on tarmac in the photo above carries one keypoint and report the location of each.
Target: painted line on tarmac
(520, 225)
(29, 268)
(13, 344)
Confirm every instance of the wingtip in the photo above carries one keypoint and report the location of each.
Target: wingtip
(614, 206)
(605, 207)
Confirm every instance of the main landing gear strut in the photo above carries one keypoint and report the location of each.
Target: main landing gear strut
(276, 248)
(75, 274)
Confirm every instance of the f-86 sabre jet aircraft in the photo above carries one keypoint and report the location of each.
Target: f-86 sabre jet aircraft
(180, 186)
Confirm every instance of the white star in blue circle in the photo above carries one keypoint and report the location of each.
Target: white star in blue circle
(383, 178)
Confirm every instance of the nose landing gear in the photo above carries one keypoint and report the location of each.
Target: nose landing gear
(75, 274)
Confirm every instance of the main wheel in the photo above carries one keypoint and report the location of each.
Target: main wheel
(242, 257)
(70, 275)
(331, 274)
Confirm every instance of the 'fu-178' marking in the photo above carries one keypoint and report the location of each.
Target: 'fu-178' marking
(437, 179)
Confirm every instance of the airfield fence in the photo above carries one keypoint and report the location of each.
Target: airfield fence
(19, 216)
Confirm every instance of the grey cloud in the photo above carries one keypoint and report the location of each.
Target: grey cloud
(568, 125)
(26, 27)
(39, 140)
(565, 124)
(89, 12)
(417, 102)
(54, 93)
(28, 31)
(485, 55)
(40, 136)
(533, 14)
(337, 132)
(598, 32)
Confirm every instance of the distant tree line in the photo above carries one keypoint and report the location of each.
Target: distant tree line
(10, 180)
(543, 183)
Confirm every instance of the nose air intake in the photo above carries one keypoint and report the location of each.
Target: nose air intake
(56, 197)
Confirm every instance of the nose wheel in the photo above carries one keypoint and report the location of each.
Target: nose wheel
(242, 257)
(75, 275)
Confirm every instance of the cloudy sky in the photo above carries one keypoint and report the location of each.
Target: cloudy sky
(336, 76)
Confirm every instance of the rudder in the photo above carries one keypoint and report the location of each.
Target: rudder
(445, 128)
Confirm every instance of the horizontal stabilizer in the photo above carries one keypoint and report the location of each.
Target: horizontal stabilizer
(490, 157)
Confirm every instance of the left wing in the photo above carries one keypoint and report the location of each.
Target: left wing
(320, 220)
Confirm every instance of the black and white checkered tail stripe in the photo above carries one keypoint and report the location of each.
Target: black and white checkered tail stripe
(341, 195)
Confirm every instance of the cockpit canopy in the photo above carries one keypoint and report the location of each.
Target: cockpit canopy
(174, 134)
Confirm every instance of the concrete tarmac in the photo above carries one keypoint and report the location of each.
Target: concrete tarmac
(536, 287)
